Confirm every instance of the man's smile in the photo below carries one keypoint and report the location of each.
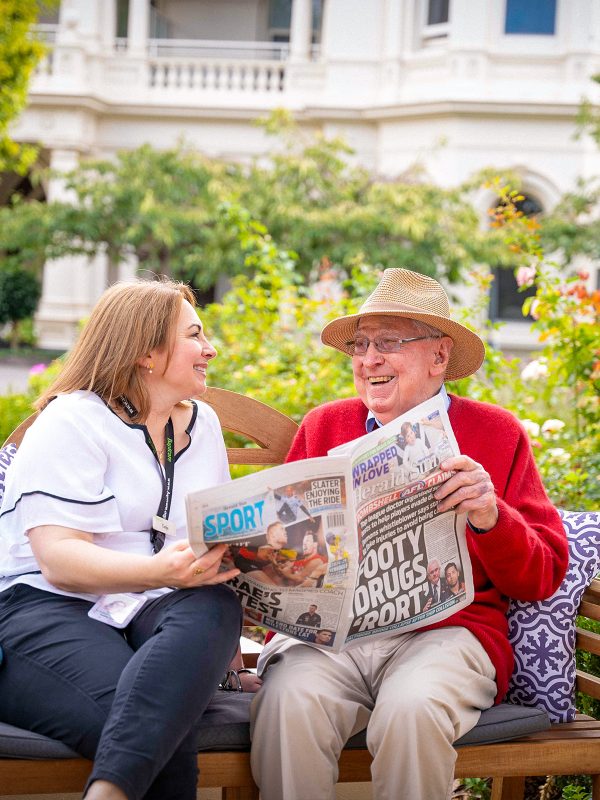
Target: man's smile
(380, 379)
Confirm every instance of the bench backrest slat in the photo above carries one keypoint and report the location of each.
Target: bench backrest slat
(268, 428)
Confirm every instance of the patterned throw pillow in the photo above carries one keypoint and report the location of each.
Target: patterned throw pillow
(6, 456)
(543, 633)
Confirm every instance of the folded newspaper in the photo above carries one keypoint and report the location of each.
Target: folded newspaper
(349, 545)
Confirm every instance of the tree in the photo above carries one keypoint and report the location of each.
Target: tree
(168, 209)
(573, 228)
(162, 206)
(314, 201)
(19, 53)
(20, 293)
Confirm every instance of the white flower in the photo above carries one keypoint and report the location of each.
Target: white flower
(535, 370)
(553, 426)
(559, 455)
(532, 428)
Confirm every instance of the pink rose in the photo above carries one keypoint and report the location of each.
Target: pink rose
(525, 276)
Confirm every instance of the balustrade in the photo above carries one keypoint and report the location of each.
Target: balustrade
(217, 75)
(200, 65)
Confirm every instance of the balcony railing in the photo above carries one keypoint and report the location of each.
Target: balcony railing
(211, 49)
(217, 75)
(46, 33)
(200, 64)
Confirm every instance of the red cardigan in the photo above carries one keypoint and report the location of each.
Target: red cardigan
(524, 556)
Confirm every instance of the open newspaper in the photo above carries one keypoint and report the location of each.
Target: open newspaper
(350, 545)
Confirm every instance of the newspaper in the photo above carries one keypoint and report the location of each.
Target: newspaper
(349, 545)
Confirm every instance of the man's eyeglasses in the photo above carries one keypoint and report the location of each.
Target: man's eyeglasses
(383, 344)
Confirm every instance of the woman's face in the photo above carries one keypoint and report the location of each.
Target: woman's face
(185, 374)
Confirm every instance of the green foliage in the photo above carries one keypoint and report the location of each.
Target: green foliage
(19, 53)
(167, 208)
(14, 408)
(20, 293)
(266, 329)
(327, 208)
(589, 663)
(557, 395)
(573, 227)
(24, 333)
(577, 788)
(588, 117)
(476, 788)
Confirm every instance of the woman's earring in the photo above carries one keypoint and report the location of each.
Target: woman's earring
(150, 368)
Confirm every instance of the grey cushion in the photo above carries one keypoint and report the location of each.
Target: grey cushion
(225, 727)
(17, 743)
(496, 724)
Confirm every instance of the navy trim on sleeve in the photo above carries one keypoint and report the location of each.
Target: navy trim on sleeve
(58, 497)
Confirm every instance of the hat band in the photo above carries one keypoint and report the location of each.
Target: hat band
(396, 308)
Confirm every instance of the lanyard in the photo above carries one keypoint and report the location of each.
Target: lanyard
(167, 478)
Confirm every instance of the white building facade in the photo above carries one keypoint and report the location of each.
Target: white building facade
(453, 85)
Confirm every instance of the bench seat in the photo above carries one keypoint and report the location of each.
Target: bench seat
(225, 729)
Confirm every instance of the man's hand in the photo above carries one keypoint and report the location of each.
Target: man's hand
(468, 491)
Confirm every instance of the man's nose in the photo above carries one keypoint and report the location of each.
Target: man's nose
(372, 356)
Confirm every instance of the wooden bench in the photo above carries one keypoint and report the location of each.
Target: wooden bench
(565, 749)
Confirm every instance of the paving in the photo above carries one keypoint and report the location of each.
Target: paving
(13, 377)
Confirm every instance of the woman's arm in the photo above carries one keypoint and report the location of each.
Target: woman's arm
(71, 561)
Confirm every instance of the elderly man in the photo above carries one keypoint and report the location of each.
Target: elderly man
(436, 590)
(415, 693)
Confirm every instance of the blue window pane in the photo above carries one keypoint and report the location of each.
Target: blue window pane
(530, 16)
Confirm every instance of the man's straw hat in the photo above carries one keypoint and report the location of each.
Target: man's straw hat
(402, 293)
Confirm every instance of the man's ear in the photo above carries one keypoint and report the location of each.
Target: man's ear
(441, 355)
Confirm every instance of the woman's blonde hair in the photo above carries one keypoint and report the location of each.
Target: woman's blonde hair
(130, 320)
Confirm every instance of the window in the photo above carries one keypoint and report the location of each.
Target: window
(435, 21)
(437, 11)
(506, 301)
(280, 18)
(537, 17)
(122, 18)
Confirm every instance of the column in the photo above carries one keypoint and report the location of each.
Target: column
(391, 50)
(108, 25)
(71, 284)
(301, 30)
(138, 27)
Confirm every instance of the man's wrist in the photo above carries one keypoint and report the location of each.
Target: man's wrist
(484, 526)
(477, 530)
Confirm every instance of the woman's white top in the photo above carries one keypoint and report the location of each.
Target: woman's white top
(81, 466)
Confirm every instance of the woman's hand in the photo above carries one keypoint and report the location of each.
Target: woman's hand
(71, 561)
(178, 566)
(469, 491)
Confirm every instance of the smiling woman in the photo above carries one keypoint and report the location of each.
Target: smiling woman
(94, 508)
